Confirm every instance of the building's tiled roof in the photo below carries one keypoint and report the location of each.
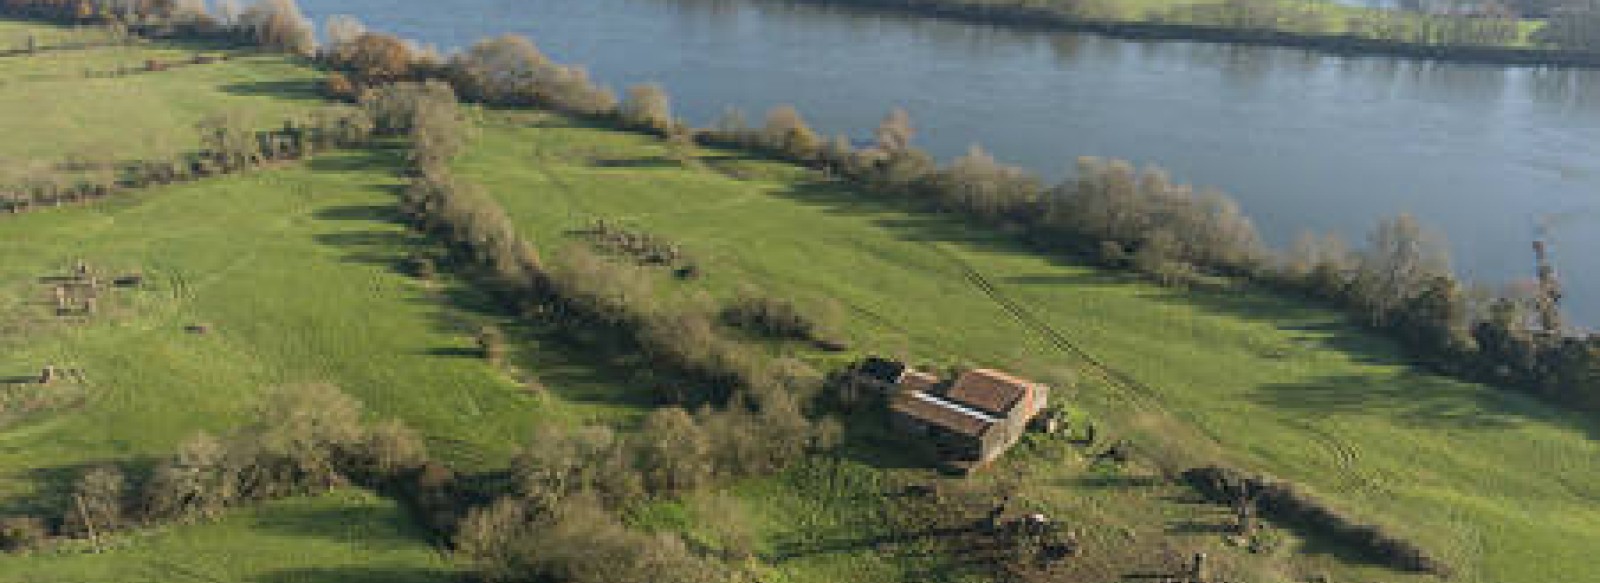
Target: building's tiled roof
(942, 413)
(989, 390)
(916, 380)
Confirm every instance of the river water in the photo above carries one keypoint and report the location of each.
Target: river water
(1304, 141)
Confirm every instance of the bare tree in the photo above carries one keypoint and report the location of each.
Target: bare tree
(648, 107)
(1400, 258)
(341, 32)
(197, 482)
(896, 132)
(98, 502)
(786, 131)
(279, 24)
(673, 453)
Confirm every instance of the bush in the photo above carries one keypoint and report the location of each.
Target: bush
(492, 344)
(22, 533)
(775, 317)
(339, 87)
(99, 502)
(422, 267)
(1287, 502)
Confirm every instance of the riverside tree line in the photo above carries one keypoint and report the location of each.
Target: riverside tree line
(1568, 25)
(731, 410)
(1399, 281)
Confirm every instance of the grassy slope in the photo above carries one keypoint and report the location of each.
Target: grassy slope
(1501, 486)
(289, 266)
(14, 35)
(294, 270)
(63, 112)
(344, 537)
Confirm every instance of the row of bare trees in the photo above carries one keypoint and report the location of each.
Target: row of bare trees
(229, 143)
(1400, 281)
(276, 25)
(302, 439)
(507, 70)
(1293, 504)
(1485, 24)
(560, 519)
(1441, 25)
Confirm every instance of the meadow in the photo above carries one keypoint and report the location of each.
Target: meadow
(75, 112)
(1498, 485)
(294, 276)
(299, 274)
(345, 536)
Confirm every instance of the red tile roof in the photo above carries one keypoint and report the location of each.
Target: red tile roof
(935, 411)
(916, 380)
(990, 391)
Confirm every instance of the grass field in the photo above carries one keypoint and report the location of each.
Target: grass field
(1500, 486)
(15, 35)
(344, 537)
(294, 271)
(69, 114)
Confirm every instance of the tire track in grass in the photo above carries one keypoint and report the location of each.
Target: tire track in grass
(1346, 458)
(1111, 376)
(168, 568)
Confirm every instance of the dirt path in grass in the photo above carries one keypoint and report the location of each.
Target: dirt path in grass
(1346, 457)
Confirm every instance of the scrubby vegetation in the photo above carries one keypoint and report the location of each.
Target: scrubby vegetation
(1401, 282)
(307, 439)
(1278, 385)
(1287, 502)
(229, 144)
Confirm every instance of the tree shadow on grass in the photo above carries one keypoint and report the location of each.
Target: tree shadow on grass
(636, 163)
(592, 371)
(380, 248)
(52, 486)
(383, 158)
(364, 524)
(907, 220)
(1412, 399)
(377, 213)
(1194, 527)
(870, 441)
(290, 89)
(455, 352)
(1414, 396)
(362, 575)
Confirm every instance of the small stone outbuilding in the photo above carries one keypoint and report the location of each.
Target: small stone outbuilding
(971, 420)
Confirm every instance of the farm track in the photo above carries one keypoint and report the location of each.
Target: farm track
(1347, 459)
(1111, 376)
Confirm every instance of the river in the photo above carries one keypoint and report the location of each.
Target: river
(1304, 141)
